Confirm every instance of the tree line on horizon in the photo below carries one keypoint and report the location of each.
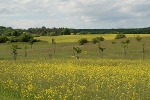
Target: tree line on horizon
(43, 31)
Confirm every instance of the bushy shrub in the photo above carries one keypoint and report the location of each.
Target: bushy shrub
(97, 39)
(113, 42)
(77, 49)
(120, 35)
(25, 37)
(127, 41)
(3, 39)
(83, 41)
(94, 40)
(13, 39)
(138, 38)
(100, 39)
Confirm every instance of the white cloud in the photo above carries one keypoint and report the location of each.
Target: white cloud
(75, 13)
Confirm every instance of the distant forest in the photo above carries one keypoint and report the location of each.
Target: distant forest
(43, 31)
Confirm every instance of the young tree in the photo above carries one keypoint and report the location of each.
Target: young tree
(138, 38)
(77, 50)
(25, 51)
(31, 41)
(124, 45)
(53, 44)
(101, 49)
(14, 51)
(82, 41)
(143, 51)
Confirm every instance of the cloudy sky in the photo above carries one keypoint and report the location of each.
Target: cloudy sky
(75, 13)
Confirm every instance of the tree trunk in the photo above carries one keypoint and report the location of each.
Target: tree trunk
(143, 52)
(15, 56)
(31, 46)
(25, 54)
(54, 49)
(124, 51)
(50, 56)
(101, 54)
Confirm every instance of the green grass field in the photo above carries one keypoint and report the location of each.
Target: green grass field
(64, 45)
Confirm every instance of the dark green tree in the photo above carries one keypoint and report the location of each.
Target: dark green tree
(25, 37)
(66, 31)
(3, 39)
(15, 33)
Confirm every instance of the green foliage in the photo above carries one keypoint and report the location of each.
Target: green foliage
(13, 39)
(100, 38)
(31, 41)
(53, 34)
(113, 42)
(15, 33)
(8, 33)
(3, 39)
(97, 39)
(66, 31)
(24, 37)
(101, 48)
(138, 38)
(125, 42)
(120, 35)
(77, 49)
(53, 44)
(94, 40)
(14, 51)
(25, 47)
(83, 41)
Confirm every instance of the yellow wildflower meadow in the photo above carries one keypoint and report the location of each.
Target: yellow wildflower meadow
(75, 79)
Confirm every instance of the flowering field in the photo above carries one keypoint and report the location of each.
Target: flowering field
(72, 79)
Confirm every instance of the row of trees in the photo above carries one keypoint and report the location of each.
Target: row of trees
(114, 31)
(43, 31)
(24, 37)
(124, 44)
(77, 50)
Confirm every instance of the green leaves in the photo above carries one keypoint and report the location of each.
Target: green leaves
(101, 48)
(77, 49)
(14, 51)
